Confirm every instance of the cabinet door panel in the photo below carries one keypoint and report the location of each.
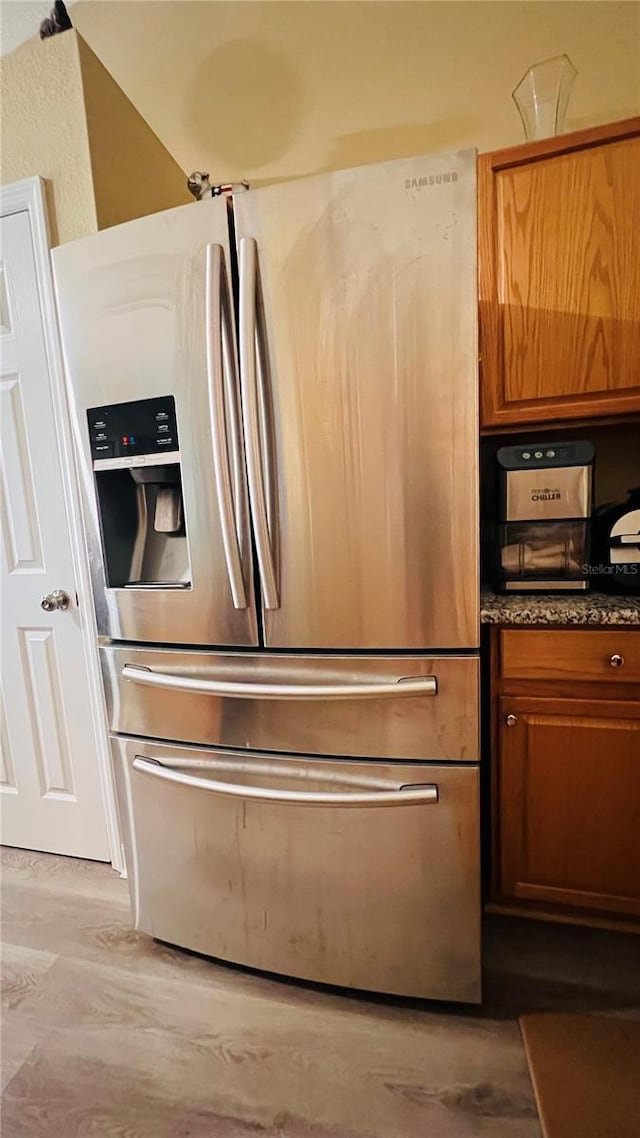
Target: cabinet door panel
(569, 231)
(560, 282)
(569, 791)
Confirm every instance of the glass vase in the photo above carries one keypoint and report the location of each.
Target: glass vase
(542, 96)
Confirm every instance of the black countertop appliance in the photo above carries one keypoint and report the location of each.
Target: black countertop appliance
(543, 531)
(616, 545)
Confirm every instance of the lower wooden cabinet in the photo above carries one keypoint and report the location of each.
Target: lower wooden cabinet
(569, 804)
(566, 791)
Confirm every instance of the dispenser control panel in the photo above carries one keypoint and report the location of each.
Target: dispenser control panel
(545, 455)
(145, 426)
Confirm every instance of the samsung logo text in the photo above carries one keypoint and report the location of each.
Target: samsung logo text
(429, 180)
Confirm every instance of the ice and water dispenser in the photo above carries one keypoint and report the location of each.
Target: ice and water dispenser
(137, 469)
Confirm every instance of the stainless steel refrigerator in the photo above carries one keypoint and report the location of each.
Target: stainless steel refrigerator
(275, 410)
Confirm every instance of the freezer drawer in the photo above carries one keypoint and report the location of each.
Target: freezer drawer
(321, 705)
(357, 874)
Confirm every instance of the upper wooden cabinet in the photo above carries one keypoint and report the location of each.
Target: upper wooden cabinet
(559, 278)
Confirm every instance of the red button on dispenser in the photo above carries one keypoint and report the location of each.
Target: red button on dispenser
(125, 440)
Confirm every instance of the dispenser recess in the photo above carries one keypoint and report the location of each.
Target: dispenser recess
(138, 479)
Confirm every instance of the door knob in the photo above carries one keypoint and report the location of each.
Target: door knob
(616, 661)
(511, 720)
(58, 600)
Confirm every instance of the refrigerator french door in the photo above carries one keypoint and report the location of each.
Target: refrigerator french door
(358, 314)
(354, 414)
(148, 330)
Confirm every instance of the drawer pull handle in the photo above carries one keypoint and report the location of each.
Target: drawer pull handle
(241, 689)
(511, 720)
(412, 794)
(616, 660)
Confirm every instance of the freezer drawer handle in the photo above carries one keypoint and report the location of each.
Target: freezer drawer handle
(411, 685)
(221, 376)
(418, 794)
(255, 431)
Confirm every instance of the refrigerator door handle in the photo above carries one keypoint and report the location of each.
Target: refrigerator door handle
(255, 429)
(222, 399)
(239, 689)
(418, 794)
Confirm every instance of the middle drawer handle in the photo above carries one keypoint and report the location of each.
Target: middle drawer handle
(616, 660)
(238, 689)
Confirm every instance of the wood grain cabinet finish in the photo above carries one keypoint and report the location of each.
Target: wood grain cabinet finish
(611, 655)
(559, 278)
(566, 774)
(570, 805)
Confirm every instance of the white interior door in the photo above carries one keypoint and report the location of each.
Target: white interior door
(50, 779)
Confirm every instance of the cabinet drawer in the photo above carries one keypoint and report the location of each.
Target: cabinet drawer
(611, 654)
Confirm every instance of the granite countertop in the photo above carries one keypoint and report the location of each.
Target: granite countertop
(545, 608)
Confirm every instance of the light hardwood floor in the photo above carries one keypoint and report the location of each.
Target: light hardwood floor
(107, 1034)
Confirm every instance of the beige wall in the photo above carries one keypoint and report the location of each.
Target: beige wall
(64, 118)
(44, 130)
(272, 90)
(133, 173)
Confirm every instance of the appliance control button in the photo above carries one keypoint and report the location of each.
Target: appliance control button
(526, 454)
(538, 454)
(164, 442)
(551, 454)
(162, 427)
(100, 437)
(99, 425)
(103, 450)
(161, 416)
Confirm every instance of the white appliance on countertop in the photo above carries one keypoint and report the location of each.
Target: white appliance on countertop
(275, 409)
